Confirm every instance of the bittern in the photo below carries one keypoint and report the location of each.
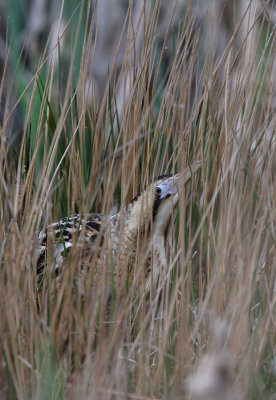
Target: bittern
(99, 240)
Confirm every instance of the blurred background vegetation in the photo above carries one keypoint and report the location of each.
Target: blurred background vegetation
(93, 50)
(36, 33)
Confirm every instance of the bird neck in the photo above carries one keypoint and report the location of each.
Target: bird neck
(134, 220)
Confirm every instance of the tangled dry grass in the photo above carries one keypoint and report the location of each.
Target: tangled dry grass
(208, 330)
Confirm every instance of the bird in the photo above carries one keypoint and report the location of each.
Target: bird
(108, 245)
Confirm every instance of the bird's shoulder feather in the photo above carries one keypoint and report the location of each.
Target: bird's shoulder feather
(62, 234)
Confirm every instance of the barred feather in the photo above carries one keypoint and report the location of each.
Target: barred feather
(146, 217)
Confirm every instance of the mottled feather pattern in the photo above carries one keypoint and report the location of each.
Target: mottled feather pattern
(144, 220)
(60, 234)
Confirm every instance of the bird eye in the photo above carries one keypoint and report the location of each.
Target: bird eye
(158, 191)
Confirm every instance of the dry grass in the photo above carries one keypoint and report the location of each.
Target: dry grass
(216, 304)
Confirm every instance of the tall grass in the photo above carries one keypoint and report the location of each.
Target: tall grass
(215, 305)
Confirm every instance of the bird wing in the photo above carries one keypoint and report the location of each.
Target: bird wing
(61, 235)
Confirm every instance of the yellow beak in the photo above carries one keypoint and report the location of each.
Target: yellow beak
(170, 185)
(183, 177)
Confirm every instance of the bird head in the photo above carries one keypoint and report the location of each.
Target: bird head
(155, 205)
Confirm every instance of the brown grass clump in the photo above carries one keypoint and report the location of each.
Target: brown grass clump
(73, 158)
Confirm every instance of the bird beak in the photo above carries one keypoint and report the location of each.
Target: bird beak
(184, 177)
(190, 170)
(169, 186)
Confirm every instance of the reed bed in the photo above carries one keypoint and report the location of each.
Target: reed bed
(208, 330)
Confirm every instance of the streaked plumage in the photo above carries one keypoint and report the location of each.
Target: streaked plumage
(98, 240)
